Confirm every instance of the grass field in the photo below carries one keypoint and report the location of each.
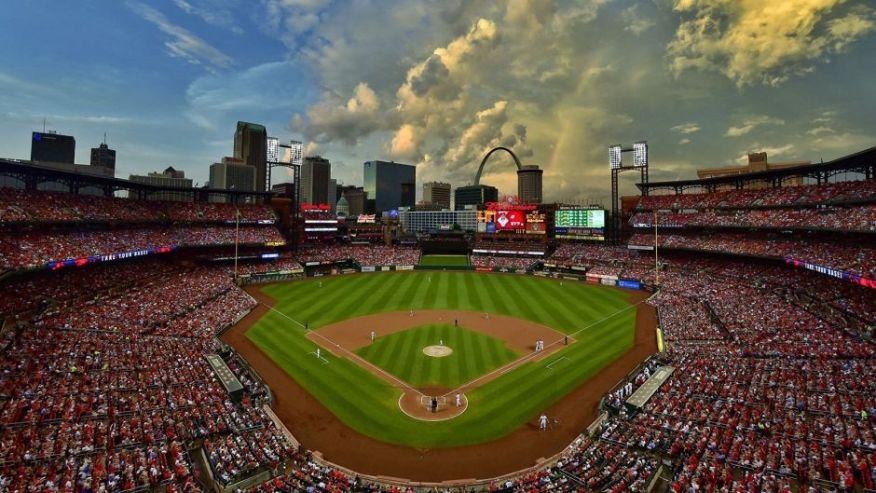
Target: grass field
(444, 260)
(602, 320)
(402, 355)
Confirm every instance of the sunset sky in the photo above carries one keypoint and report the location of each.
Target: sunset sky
(438, 83)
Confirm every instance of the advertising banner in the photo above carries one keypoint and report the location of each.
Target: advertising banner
(607, 282)
(404, 267)
(368, 268)
(629, 284)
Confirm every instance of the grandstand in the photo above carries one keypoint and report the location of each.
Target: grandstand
(111, 308)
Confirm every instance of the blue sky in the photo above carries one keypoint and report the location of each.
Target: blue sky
(439, 83)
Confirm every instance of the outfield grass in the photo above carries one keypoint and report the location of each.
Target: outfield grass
(401, 354)
(444, 260)
(370, 405)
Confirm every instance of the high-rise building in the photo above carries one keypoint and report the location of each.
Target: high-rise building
(437, 193)
(316, 171)
(167, 178)
(232, 174)
(104, 157)
(251, 146)
(474, 195)
(52, 147)
(389, 185)
(332, 193)
(529, 184)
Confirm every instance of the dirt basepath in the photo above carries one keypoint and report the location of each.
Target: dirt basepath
(319, 430)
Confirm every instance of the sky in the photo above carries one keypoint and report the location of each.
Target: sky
(439, 83)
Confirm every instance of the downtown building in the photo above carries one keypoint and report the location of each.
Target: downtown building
(389, 185)
(437, 194)
(316, 173)
(529, 189)
(251, 147)
(231, 174)
(474, 196)
(170, 178)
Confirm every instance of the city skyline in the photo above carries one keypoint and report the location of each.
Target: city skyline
(437, 85)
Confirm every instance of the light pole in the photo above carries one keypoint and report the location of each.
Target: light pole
(236, 238)
(656, 270)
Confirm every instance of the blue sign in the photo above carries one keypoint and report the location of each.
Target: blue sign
(629, 284)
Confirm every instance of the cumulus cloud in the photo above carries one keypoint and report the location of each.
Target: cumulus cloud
(771, 152)
(762, 42)
(750, 123)
(183, 44)
(686, 128)
(683, 142)
(348, 122)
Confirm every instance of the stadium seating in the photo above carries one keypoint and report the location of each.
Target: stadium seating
(361, 254)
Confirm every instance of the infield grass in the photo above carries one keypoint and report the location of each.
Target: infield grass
(601, 320)
(402, 355)
(444, 260)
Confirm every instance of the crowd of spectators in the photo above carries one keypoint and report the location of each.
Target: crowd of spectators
(34, 206)
(375, 254)
(853, 218)
(858, 259)
(829, 193)
(105, 387)
(30, 249)
(501, 261)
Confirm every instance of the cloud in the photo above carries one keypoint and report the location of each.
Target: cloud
(636, 22)
(359, 116)
(213, 12)
(183, 44)
(686, 128)
(683, 142)
(819, 130)
(750, 123)
(763, 42)
(272, 86)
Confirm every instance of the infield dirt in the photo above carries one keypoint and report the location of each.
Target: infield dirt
(318, 430)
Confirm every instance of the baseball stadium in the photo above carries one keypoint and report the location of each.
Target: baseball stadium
(709, 331)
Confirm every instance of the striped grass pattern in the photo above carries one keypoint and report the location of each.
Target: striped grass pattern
(602, 320)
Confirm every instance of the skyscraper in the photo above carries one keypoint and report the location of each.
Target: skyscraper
(529, 184)
(316, 171)
(52, 147)
(332, 193)
(251, 145)
(389, 185)
(437, 193)
(104, 157)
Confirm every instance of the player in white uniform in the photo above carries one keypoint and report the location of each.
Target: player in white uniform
(542, 422)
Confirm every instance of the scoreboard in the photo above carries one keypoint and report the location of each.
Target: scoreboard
(578, 223)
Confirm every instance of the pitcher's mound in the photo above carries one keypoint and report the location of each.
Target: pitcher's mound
(437, 351)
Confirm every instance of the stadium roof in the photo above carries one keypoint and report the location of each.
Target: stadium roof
(860, 162)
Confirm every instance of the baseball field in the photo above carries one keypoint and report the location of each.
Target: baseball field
(318, 331)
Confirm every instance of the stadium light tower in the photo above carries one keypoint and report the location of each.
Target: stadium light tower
(616, 164)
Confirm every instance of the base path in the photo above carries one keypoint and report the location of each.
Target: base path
(319, 430)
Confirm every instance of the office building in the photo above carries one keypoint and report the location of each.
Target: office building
(437, 193)
(52, 147)
(332, 193)
(316, 171)
(167, 178)
(389, 185)
(425, 221)
(251, 146)
(529, 185)
(231, 174)
(104, 157)
(474, 195)
(284, 189)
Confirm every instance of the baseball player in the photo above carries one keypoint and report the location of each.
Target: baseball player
(458, 400)
(372, 336)
(542, 422)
